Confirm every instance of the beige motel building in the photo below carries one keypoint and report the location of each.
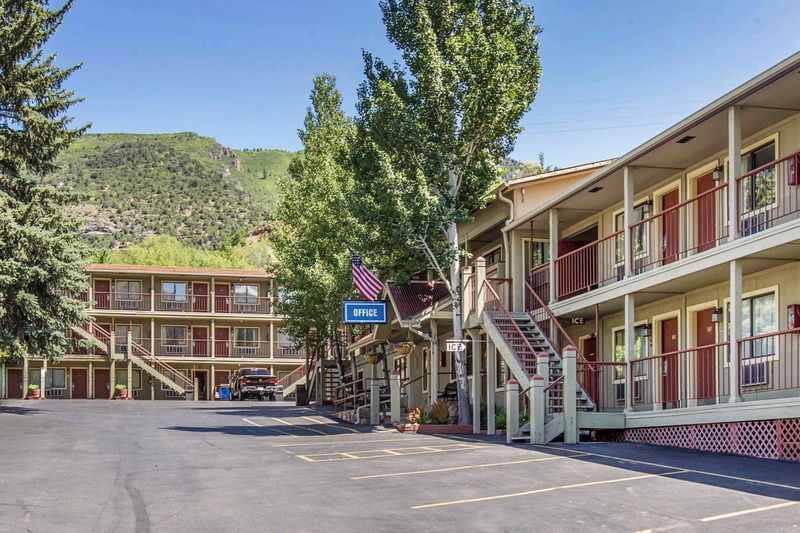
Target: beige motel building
(175, 329)
(650, 298)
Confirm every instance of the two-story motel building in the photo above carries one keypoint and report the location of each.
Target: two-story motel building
(193, 325)
(673, 270)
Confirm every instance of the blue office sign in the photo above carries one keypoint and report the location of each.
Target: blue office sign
(357, 312)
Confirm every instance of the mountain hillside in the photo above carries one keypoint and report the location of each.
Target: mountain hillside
(178, 184)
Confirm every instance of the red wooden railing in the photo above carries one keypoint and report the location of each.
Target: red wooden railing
(769, 363)
(293, 377)
(604, 382)
(160, 366)
(694, 225)
(243, 304)
(539, 280)
(514, 335)
(680, 378)
(354, 393)
(589, 266)
(768, 193)
(122, 301)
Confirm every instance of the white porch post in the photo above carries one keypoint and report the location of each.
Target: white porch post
(553, 278)
(512, 409)
(434, 366)
(374, 401)
(538, 409)
(735, 326)
(491, 382)
(480, 294)
(3, 393)
(394, 392)
(734, 168)
(570, 391)
(42, 375)
(628, 193)
(630, 342)
(213, 338)
(90, 392)
(152, 293)
(476, 382)
(25, 376)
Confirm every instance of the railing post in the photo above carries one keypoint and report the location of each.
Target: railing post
(543, 370)
(735, 326)
(196, 387)
(152, 293)
(394, 390)
(466, 298)
(480, 290)
(374, 402)
(630, 343)
(129, 384)
(491, 385)
(538, 410)
(553, 272)
(734, 171)
(512, 409)
(628, 195)
(570, 401)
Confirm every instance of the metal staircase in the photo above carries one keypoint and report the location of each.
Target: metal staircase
(519, 339)
(139, 355)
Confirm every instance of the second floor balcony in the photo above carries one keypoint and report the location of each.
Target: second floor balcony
(185, 303)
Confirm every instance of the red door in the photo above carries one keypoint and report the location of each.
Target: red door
(222, 304)
(671, 227)
(102, 293)
(222, 337)
(669, 363)
(79, 383)
(590, 376)
(199, 341)
(15, 383)
(102, 383)
(706, 358)
(706, 214)
(200, 297)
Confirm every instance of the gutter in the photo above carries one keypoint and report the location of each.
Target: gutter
(504, 231)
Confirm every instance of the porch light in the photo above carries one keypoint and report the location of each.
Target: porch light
(647, 331)
(717, 174)
(716, 316)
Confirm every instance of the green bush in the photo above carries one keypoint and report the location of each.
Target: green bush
(500, 419)
(440, 413)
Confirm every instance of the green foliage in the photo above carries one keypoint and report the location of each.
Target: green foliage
(313, 223)
(120, 386)
(500, 419)
(41, 254)
(178, 184)
(33, 387)
(440, 412)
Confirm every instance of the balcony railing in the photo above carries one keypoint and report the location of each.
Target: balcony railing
(767, 194)
(287, 350)
(591, 266)
(604, 383)
(769, 364)
(243, 304)
(687, 228)
(539, 280)
(684, 378)
(122, 301)
(183, 303)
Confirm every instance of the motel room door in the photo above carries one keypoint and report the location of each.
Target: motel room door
(79, 377)
(669, 364)
(591, 377)
(706, 359)
(222, 336)
(102, 293)
(200, 341)
(200, 297)
(102, 383)
(15, 383)
(706, 222)
(671, 227)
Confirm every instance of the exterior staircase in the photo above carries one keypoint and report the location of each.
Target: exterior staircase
(519, 339)
(139, 355)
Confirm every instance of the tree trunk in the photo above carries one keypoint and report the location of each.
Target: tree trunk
(464, 410)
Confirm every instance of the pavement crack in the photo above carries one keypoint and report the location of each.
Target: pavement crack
(142, 524)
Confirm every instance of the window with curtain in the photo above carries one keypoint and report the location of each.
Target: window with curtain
(758, 318)
(247, 337)
(55, 378)
(128, 289)
(174, 291)
(759, 189)
(121, 377)
(245, 294)
(175, 335)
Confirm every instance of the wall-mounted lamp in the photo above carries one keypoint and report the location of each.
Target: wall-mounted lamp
(716, 316)
(717, 174)
(647, 330)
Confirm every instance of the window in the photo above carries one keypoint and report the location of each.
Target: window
(758, 190)
(121, 377)
(758, 318)
(493, 257)
(129, 290)
(121, 334)
(247, 337)
(245, 294)
(55, 378)
(539, 253)
(641, 348)
(175, 335)
(426, 369)
(400, 365)
(639, 234)
(174, 291)
(500, 372)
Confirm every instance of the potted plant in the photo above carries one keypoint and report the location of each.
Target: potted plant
(404, 347)
(373, 358)
(34, 391)
(121, 391)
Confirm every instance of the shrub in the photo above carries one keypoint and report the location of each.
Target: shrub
(120, 386)
(33, 387)
(500, 419)
(440, 413)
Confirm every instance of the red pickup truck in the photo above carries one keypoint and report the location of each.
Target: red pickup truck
(254, 382)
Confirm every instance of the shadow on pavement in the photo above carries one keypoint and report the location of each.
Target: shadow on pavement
(14, 410)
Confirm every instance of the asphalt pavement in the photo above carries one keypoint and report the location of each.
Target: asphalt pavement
(270, 466)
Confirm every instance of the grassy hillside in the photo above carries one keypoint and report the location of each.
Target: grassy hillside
(178, 184)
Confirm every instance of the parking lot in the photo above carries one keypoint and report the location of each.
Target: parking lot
(167, 466)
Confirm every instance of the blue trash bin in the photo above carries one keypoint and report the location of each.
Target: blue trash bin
(224, 393)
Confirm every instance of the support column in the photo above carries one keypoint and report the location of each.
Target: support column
(628, 193)
(630, 341)
(213, 291)
(3, 393)
(543, 370)
(152, 293)
(538, 410)
(734, 169)
(272, 339)
(480, 278)
(213, 338)
(553, 255)
(570, 389)
(491, 385)
(394, 392)
(213, 380)
(153, 335)
(90, 382)
(735, 326)
(374, 401)
(42, 376)
(130, 378)
(25, 376)
(512, 409)
(112, 377)
(434, 363)
(476, 382)
(196, 391)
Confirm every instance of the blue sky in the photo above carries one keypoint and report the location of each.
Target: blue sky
(614, 72)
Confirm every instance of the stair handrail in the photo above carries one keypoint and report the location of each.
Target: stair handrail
(301, 368)
(554, 320)
(508, 315)
(158, 365)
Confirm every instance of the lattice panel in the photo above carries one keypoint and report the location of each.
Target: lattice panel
(770, 439)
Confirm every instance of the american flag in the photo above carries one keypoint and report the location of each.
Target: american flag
(366, 282)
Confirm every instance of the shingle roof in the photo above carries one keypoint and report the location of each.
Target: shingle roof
(416, 296)
(177, 270)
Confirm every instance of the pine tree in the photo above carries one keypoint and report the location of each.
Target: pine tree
(41, 254)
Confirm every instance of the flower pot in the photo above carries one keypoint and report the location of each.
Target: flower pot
(35, 393)
(404, 349)
(373, 358)
(122, 394)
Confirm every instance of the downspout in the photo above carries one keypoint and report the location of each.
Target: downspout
(509, 220)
